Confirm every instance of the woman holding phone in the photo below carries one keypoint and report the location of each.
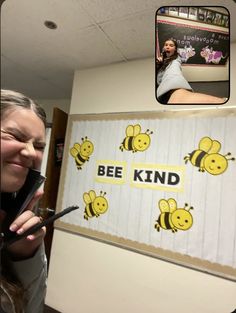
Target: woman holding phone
(172, 87)
(23, 263)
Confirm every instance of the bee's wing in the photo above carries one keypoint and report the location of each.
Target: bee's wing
(129, 130)
(77, 146)
(74, 151)
(172, 204)
(164, 206)
(86, 198)
(205, 144)
(92, 195)
(215, 148)
(137, 129)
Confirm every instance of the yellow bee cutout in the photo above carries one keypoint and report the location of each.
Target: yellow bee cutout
(81, 152)
(95, 205)
(208, 158)
(172, 217)
(135, 140)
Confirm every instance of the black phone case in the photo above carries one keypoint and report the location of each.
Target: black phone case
(18, 204)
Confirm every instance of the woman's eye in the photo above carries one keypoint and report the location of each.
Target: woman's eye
(14, 137)
(40, 148)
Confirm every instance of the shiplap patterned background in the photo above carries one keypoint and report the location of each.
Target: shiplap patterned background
(133, 211)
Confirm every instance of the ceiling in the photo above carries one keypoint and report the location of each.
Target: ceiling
(40, 62)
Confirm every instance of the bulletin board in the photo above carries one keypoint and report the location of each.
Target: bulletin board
(198, 43)
(161, 184)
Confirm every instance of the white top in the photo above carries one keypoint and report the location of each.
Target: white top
(32, 273)
(171, 78)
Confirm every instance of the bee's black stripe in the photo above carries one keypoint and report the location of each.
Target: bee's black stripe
(91, 209)
(130, 140)
(167, 221)
(80, 158)
(199, 158)
(191, 154)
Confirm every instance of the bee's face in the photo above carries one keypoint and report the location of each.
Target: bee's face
(182, 219)
(141, 142)
(86, 148)
(215, 164)
(100, 205)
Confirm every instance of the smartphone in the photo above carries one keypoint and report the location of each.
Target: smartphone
(164, 55)
(18, 204)
(32, 183)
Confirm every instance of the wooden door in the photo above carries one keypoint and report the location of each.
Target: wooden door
(53, 169)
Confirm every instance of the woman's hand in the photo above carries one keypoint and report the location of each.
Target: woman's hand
(160, 59)
(26, 247)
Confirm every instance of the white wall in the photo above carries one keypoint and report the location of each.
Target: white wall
(120, 88)
(48, 105)
(92, 277)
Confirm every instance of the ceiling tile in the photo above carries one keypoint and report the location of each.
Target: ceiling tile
(133, 36)
(106, 10)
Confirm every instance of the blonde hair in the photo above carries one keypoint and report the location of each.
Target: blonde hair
(11, 99)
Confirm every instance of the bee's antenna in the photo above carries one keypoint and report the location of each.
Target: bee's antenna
(229, 159)
(148, 132)
(186, 205)
(84, 138)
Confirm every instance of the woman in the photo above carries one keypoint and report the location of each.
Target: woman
(172, 86)
(23, 264)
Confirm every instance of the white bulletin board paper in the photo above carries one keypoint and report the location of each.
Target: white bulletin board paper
(162, 184)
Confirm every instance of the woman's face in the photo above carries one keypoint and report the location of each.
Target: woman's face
(22, 146)
(169, 48)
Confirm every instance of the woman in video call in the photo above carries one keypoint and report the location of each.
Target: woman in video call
(23, 266)
(172, 87)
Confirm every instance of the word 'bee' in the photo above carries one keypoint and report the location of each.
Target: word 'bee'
(95, 205)
(172, 217)
(135, 140)
(208, 158)
(81, 152)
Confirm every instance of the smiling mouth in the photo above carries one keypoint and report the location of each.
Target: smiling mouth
(15, 164)
(18, 167)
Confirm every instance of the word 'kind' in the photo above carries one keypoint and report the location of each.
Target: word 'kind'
(139, 175)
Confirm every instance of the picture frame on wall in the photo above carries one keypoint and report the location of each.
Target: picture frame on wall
(174, 11)
(59, 148)
(164, 10)
(225, 21)
(192, 13)
(218, 19)
(202, 14)
(183, 12)
(210, 16)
